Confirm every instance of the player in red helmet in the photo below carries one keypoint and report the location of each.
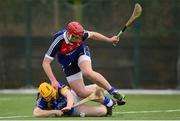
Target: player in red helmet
(74, 57)
(75, 31)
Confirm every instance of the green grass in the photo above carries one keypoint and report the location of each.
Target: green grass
(156, 107)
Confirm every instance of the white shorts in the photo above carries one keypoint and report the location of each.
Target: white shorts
(76, 111)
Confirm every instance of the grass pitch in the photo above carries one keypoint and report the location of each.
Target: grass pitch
(138, 107)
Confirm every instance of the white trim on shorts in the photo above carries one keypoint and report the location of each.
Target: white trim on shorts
(77, 76)
(83, 58)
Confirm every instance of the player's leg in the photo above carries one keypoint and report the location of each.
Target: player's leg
(97, 78)
(89, 110)
(74, 75)
(105, 100)
(84, 91)
(84, 63)
(79, 87)
(75, 79)
(89, 73)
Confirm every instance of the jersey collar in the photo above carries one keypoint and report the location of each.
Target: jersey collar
(66, 38)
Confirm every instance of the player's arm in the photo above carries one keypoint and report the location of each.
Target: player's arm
(49, 57)
(101, 37)
(70, 100)
(48, 70)
(38, 112)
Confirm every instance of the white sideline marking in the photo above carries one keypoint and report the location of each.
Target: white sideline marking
(153, 111)
(8, 117)
(130, 112)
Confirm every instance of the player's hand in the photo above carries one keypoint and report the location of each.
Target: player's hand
(66, 109)
(55, 84)
(114, 39)
(58, 113)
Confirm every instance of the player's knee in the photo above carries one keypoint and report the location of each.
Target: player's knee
(102, 111)
(83, 93)
(88, 73)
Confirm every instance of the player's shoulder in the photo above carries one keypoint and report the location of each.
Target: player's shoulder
(86, 32)
(38, 97)
(59, 33)
(86, 35)
(62, 88)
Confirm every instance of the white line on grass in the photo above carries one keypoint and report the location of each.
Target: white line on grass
(9, 117)
(152, 111)
(128, 112)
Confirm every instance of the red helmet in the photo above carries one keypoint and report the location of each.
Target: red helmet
(75, 29)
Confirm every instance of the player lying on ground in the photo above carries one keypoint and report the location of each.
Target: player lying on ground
(69, 47)
(52, 102)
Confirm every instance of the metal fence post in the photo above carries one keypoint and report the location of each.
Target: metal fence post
(136, 55)
(28, 44)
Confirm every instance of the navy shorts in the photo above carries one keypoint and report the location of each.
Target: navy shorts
(70, 62)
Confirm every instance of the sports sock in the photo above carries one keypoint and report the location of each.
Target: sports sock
(111, 91)
(108, 102)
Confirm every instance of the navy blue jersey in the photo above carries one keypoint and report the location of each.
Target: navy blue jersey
(67, 53)
(57, 104)
(62, 46)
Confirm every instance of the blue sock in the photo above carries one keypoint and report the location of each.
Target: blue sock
(111, 91)
(107, 101)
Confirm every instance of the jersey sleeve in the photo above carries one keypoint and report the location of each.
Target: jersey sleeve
(85, 36)
(63, 88)
(41, 104)
(53, 49)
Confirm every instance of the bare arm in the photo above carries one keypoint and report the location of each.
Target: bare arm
(98, 36)
(70, 100)
(48, 70)
(43, 113)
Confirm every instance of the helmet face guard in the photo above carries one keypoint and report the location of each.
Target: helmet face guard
(75, 29)
(47, 91)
